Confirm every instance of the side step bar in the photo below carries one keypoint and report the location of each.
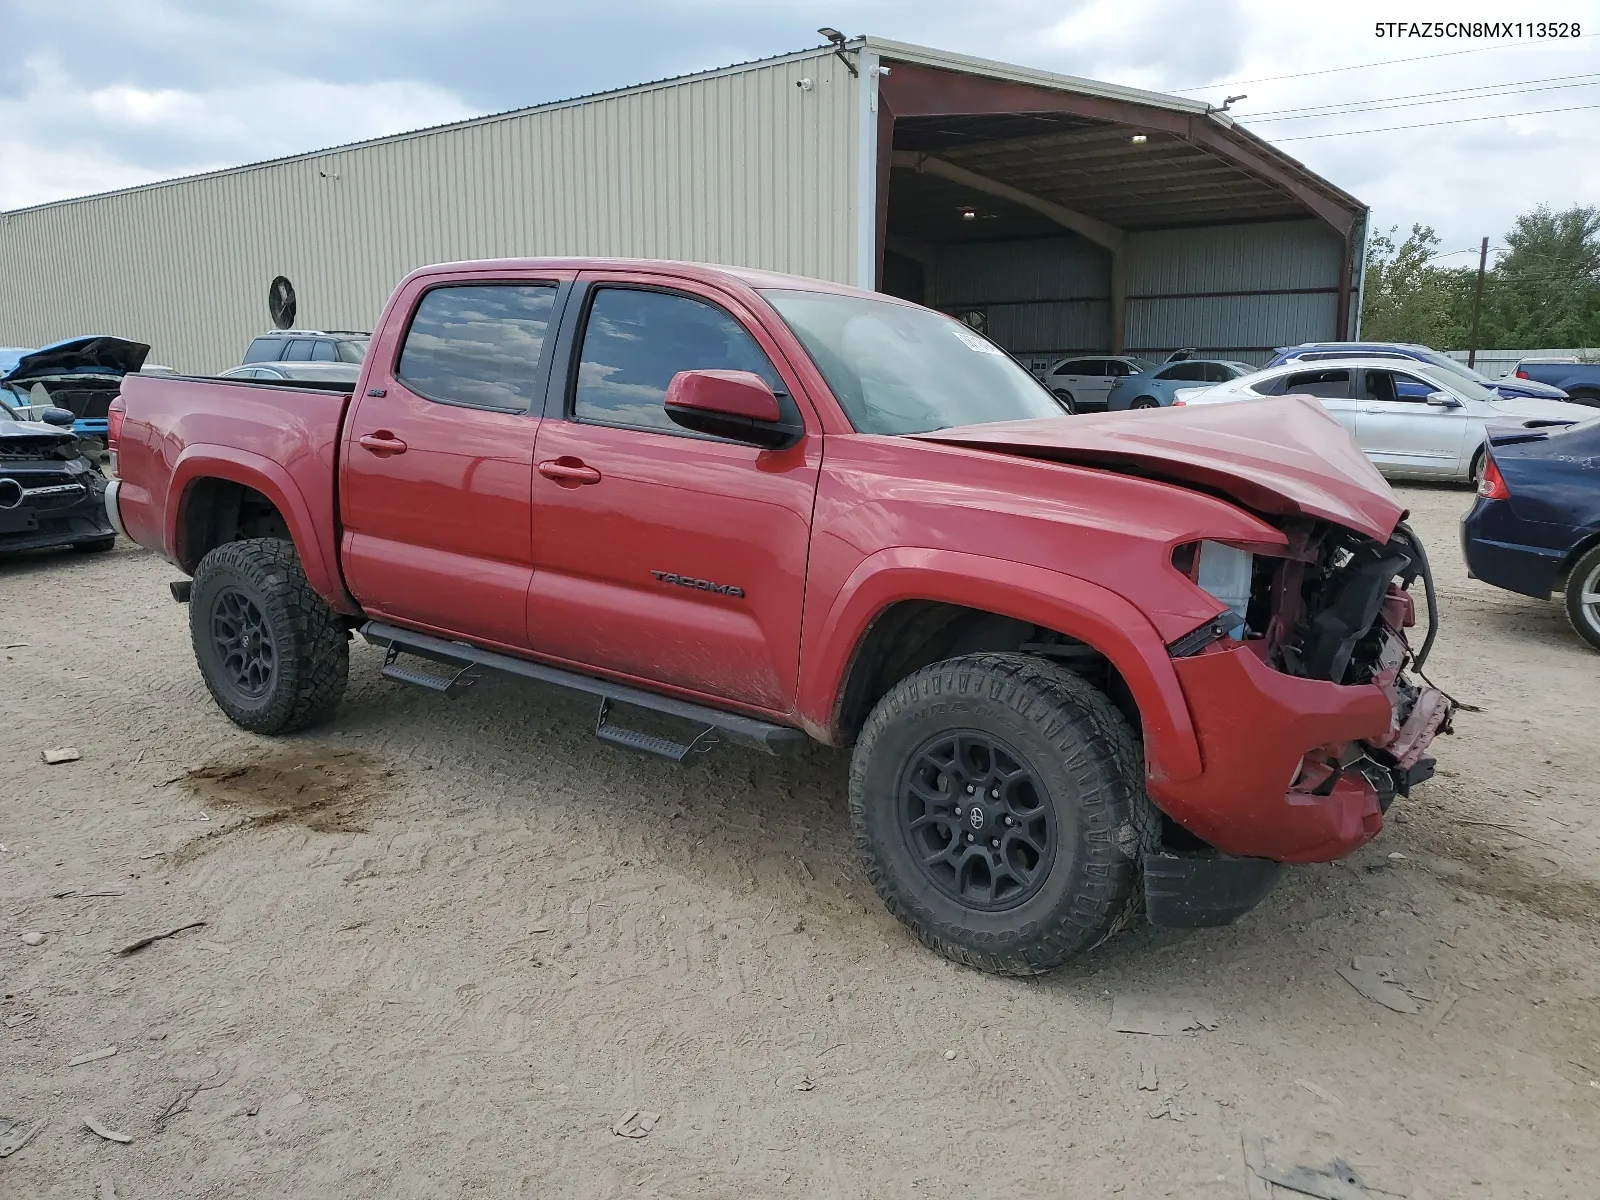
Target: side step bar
(463, 658)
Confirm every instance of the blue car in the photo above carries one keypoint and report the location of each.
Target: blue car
(1509, 387)
(81, 374)
(1154, 388)
(1535, 528)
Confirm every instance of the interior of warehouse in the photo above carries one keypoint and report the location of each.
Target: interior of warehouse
(1063, 223)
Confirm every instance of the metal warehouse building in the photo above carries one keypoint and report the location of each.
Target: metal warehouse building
(1060, 214)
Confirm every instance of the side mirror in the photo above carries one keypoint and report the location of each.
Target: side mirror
(61, 417)
(1443, 400)
(732, 404)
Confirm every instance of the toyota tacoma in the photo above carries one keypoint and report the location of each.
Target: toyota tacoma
(1089, 667)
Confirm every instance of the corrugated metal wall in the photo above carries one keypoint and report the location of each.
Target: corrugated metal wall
(740, 167)
(1050, 295)
(1234, 291)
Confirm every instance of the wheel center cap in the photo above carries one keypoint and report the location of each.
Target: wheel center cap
(976, 817)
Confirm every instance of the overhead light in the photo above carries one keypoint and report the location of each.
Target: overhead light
(1139, 139)
(969, 214)
(833, 35)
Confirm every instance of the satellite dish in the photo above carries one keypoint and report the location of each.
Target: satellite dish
(281, 303)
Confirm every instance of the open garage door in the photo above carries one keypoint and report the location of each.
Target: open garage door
(1070, 225)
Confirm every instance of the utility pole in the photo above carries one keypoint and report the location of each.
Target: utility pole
(1477, 304)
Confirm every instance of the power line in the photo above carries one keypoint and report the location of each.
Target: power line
(1389, 62)
(1538, 112)
(1455, 96)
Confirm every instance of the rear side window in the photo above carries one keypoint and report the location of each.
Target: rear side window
(478, 345)
(1329, 385)
(352, 351)
(299, 350)
(323, 352)
(636, 341)
(263, 350)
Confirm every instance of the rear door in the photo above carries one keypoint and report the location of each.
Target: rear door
(1334, 386)
(1072, 376)
(661, 554)
(437, 458)
(1398, 428)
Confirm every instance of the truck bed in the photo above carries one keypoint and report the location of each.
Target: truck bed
(282, 434)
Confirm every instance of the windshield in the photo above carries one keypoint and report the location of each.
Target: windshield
(1459, 370)
(1460, 385)
(352, 351)
(897, 369)
(5, 411)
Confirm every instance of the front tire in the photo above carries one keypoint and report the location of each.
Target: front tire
(1067, 400)
(1583, 597)
(274, 655)
(1041, 864)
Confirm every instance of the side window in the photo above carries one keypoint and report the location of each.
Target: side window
(1183, 370)
(1409, 387)
(1215, 373)
(635, 341)
(262, 350)
(478, 345)
(299, 350)
(1073, 366)
(323, 352)
(1328, 385)
(1094, 368)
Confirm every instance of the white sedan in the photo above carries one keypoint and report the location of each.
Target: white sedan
(1413, 419)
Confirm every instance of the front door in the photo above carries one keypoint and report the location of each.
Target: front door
(1399, 429)
(438, 455)
(662, 554)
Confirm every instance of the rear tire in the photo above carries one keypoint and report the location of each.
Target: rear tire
(1475, 471)
(1584, 396)
(1063, 775)
(1145, 402)
(274, 656)
(1583, 596)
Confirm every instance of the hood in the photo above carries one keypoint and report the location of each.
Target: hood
(1284, 456)
(27, 435)
(1529, 408)
(98, 354)
(1512, 386)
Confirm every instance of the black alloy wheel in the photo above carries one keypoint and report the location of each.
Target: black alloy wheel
(977, 820)
(242, 642)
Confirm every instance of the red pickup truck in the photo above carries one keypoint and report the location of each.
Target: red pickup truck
(1088, 665)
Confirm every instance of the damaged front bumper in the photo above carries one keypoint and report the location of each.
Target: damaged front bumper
(1297, 769)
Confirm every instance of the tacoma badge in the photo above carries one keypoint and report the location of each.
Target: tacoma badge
(704, 585)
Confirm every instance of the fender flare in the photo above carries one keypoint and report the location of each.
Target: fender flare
(1098, 617)
(318, 555)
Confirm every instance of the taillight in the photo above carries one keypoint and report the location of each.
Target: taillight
(1493, 485)
(114, 425)
(1521, 374)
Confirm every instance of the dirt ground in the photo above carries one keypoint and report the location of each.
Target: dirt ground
(450, 944)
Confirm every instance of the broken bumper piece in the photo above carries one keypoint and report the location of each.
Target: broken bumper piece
(1202, 888)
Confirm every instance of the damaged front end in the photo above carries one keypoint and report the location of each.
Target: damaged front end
(1320, 688)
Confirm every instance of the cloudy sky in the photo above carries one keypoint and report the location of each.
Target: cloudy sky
(99, 94)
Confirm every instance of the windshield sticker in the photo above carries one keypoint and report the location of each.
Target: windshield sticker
(972, 341)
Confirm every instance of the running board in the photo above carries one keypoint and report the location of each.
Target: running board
(750, 731)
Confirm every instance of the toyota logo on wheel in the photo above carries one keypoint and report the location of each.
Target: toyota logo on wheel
(975, 817)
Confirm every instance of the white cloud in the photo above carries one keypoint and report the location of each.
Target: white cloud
(64, 139)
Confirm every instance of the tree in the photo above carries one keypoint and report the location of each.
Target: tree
(1546, 290)
(1406, 298)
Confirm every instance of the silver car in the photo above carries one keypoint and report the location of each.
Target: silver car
(1412, 419)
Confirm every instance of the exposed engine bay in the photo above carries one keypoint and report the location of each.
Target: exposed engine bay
(1337, 607)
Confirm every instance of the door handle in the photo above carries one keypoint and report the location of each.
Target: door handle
(382, 443)
(569, 471)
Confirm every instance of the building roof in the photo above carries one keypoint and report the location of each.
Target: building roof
(884, 48)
